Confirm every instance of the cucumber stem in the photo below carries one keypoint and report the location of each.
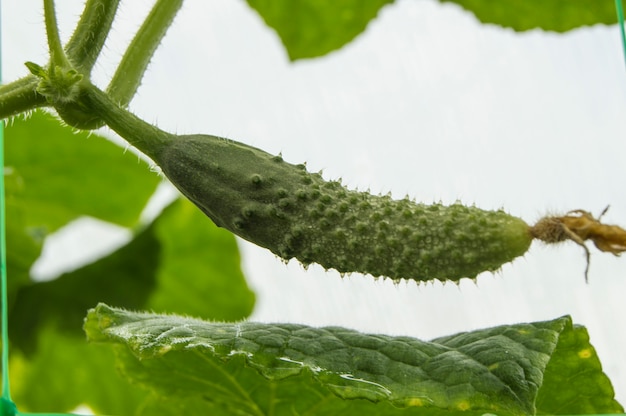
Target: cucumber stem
(147, 138)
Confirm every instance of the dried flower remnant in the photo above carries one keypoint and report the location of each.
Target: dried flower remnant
(579, 225)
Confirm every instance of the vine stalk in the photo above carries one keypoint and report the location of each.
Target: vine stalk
(134, 63)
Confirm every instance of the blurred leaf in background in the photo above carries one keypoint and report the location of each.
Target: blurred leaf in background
(180, 263)
(551, 15)
(311, 28)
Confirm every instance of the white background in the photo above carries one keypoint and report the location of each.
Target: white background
(427, 102)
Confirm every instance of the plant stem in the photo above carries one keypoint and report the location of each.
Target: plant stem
(82, 51)
(90, 34)
(149, 139)
(20, 96)
(57, 54)
(133, 65)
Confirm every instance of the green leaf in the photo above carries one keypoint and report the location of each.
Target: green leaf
(54, 175)
(157, 405)
(58, 175)
(182, 263)
(552, 15)
(200, 272)
(252, 368)
(66, 372)
(310, 28)
(576, 365)
(126, 278)
(22, 251)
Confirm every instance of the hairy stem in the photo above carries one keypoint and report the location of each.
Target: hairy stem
(132, 67)
(20, 96)
(90, 34)
(149, 139)
(57, 54)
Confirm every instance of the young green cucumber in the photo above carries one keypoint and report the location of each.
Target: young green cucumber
(295, 213)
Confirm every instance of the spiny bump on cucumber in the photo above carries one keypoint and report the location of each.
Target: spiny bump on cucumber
(298, 214)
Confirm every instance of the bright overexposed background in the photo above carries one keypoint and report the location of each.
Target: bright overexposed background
(427, 102)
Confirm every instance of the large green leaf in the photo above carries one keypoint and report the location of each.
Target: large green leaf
(573, 382)
(58, 174)
(553, 15)
(310, 28)
(258, 369)
(125, 278)
(66, 372)
(200, 271)
(54, 175)
(181, 263)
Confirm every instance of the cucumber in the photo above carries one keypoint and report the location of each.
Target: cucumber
(298, 214)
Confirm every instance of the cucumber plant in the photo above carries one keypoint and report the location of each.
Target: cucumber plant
(282, 206)
(295, 213)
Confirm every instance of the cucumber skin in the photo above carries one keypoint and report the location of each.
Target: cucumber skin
(294, 213)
